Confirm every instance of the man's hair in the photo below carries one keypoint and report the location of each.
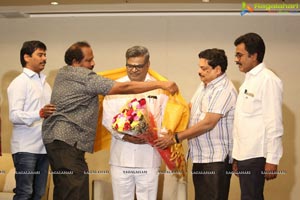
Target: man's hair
(215, 57)
(29, 47)
(137, 51)
(74, 52)
(253, 44)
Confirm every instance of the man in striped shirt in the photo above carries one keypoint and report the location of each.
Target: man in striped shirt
(210, 128)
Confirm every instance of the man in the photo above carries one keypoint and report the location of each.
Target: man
(28, 98)
(134, 163)
(70, 131)
(258, 125)
(210, 128)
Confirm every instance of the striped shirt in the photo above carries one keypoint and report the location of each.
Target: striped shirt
(219, 96)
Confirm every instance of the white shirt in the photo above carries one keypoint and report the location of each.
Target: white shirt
(27, 94)
(258, 117)
(126, 154)
(219, 96)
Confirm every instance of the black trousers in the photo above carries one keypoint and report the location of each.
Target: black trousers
(212, 180)
(69, 170)
(252, 178)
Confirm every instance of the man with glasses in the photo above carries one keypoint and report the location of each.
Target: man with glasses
(134, 163)
(258, 129)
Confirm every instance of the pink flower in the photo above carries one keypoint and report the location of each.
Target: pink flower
(131, 118)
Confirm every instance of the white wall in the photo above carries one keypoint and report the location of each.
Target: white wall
(174, 43)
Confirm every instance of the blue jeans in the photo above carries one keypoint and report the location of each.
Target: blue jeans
(31, 175)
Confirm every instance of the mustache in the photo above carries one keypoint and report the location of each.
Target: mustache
(199, 74)
(238, 63)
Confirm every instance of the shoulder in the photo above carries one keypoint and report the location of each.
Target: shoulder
(75, 74)
(270, 74)
(19, 80)
(74, 70)
(270, 78)
(224, 84)
(19, 85)
(150, 78)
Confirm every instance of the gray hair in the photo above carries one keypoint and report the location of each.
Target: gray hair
(137, 51)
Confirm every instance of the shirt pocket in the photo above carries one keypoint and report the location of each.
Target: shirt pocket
(248, 104)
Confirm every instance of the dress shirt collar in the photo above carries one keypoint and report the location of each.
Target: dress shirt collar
(255, 70)
(31, 74)
(216, 81)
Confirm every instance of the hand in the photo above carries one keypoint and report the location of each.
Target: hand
(270, 171)
(171, 87)
(164, 142)
(48, 110)
(235, 168)
(133, 139)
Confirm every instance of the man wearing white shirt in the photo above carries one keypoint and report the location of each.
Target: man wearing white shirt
(134, 163)
(29, 97)
(258, 129)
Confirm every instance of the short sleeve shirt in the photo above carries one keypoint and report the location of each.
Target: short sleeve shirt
(219, 96)
(75, 95)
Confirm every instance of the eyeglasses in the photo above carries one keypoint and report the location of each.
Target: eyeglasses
(140, 66)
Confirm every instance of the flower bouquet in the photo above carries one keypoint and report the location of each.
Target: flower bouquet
(132, 118)
(137, 120)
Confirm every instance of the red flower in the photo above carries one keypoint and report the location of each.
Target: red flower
(127, 126)
(129, 112)
(142, 101)
(131, 117)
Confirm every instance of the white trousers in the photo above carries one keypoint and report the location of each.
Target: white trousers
(126, 181)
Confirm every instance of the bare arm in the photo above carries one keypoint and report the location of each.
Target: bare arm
(134, 87)
(209, 122)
